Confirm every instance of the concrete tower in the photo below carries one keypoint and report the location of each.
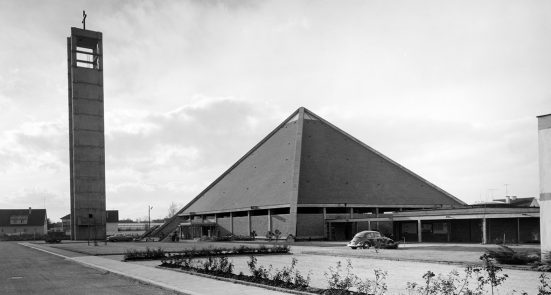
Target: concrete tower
(86, 134)
(544, 138)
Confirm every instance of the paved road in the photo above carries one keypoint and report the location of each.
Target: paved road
(29, 271)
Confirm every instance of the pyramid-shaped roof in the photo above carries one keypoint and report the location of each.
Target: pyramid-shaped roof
(308, 161)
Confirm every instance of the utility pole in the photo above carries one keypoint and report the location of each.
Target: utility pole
(149, 217)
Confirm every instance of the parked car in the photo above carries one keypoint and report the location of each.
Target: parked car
(120, 238)
(370, 238)
(54, 237)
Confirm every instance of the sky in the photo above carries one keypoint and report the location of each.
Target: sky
(448, 89)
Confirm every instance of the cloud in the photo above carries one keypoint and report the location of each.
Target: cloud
(35, 146)
(173, 155)
(205, 133)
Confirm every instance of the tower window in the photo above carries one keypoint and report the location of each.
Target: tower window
(87, 58)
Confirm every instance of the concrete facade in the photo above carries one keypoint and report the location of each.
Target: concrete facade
(86, 134)
(544, 140)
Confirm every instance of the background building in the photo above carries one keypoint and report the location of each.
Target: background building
(23, 222)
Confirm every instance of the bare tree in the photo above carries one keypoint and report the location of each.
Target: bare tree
(172, 209)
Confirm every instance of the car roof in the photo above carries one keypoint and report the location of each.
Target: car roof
(368, 231)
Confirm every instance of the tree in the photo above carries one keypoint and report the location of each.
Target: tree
(172, 209)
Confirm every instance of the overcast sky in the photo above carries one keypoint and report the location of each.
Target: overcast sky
(448, 89)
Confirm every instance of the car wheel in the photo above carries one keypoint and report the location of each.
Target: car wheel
(353, 248)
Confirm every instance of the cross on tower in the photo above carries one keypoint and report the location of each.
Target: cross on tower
(84, 19)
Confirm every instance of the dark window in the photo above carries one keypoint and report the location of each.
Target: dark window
(338, 210)
(223, 215)
(310, 210)
(280, 211)
(364, 210)
(259, 212)
(240, 214)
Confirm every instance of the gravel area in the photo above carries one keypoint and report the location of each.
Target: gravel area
(407, 264)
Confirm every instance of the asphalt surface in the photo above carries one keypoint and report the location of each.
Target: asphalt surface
(29, 271)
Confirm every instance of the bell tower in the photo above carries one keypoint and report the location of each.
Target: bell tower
(86, 134)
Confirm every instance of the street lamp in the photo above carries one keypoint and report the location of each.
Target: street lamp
(149, 217)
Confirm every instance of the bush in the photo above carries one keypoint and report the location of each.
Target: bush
(543, 265)
(506, 255)
(338, 281)
(544, 288)
(22, 237)
(258, 272)
(288, 277)
(375, 286)
(227, 238)
(291, 277)
(241, 250)
(477, 280)
(147, 254)
(479, 276)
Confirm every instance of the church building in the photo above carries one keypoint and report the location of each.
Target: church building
(302, 175)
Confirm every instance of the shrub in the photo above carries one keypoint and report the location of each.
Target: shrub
(544, 264)
(336, 280)
(227, 238)
(487, 274)
(147, 254)
(301, 281)
(375, 286)
(492, 272)
(241, 250)
(544, 288)
(258, 272)
(450, 284)
(289, 276)
(506, 255)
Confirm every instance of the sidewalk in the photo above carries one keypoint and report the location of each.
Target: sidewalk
(167, 279)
